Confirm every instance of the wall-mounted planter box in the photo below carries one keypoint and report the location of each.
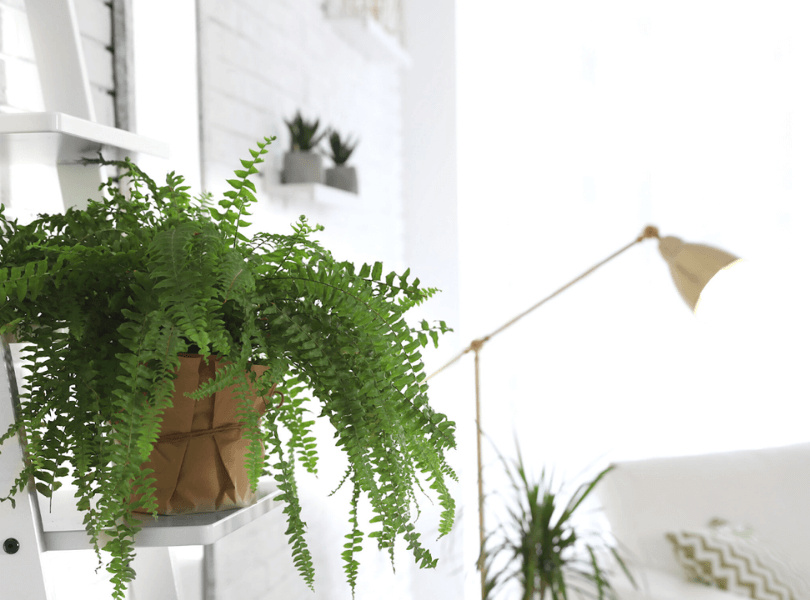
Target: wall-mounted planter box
(315, 194)
(369, 38)
(302, 167)
(342, 178)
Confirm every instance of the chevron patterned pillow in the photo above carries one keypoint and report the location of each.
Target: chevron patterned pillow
(738, 563)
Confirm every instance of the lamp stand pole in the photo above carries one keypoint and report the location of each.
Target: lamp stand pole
(476, 346)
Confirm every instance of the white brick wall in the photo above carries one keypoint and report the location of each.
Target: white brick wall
(262, 61)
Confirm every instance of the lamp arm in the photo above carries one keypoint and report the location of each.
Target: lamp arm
(649, 232)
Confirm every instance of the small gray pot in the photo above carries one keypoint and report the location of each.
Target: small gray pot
(343, 178)
(302, 167)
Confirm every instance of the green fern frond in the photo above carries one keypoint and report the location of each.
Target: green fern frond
(285, 480)
(354, 543)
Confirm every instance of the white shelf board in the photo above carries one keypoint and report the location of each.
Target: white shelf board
(367, 36)
(307, 194)
(49, 137)
(63, 528)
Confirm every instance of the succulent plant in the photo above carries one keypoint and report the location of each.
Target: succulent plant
(341, 149)
(304, 134)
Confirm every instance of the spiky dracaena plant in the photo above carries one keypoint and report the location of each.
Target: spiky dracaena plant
(304, 134)
(105, 299)
(540, 547)
(341, 149)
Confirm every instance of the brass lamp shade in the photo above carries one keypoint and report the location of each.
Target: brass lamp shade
(692, 266)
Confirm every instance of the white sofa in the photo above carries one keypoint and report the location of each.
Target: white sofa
(767, 489)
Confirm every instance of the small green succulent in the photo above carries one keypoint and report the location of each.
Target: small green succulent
(303, 133)
(341, 149)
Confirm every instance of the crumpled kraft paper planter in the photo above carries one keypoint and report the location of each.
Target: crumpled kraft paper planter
(199, 458)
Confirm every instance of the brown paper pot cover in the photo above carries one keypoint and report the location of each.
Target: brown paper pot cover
(199, 458)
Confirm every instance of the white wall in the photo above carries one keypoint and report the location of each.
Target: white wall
(166, 86)
(431, 251)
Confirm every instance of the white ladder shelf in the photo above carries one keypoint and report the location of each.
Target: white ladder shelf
(59, 139)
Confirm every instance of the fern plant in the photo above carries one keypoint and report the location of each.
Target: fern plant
(105, 298)
(304, 134)
(341, 149)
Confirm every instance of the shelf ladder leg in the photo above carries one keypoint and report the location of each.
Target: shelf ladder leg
(21, 539)
(155, 578)
(65, 85)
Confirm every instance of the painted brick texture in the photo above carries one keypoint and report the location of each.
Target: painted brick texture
(263, 61)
